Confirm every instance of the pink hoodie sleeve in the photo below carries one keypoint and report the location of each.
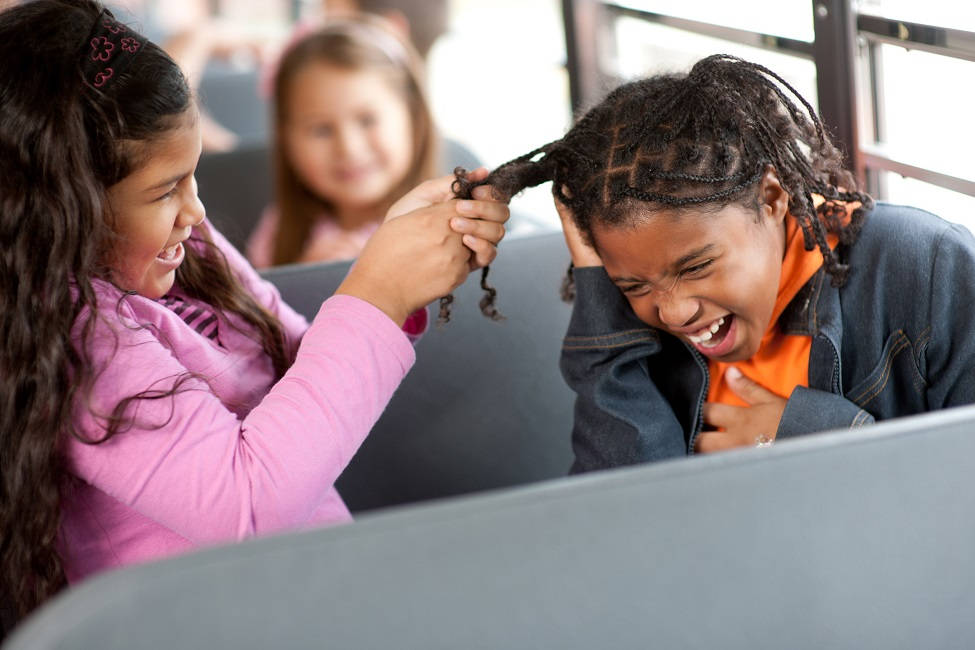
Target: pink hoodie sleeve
(190, 464)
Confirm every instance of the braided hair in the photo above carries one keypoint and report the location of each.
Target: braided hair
(696, 140)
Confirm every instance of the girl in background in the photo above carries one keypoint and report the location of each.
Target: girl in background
(156, 395)
(352, 132)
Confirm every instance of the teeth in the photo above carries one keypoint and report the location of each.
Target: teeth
(707, 333)
(169, 253)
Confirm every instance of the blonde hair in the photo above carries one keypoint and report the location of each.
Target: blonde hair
(362, 43)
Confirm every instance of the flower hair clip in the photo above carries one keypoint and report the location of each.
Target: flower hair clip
(109, 50)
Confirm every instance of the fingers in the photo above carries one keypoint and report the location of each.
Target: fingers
(486, 193)
(565, 214)
(582, 253)
(478, 174)
(748, 390)
(489, 230)
(483, 251)
(423, 195)
(481, 235)
(722, 415)
(488, 210)
(708, 442)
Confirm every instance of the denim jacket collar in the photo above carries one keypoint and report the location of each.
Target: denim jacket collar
(815, 312)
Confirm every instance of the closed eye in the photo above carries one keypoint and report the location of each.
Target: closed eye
(697, 270)
(167, 195)
(636, 289)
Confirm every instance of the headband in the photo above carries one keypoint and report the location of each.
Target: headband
(109, 49)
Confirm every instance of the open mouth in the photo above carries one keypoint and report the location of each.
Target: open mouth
(713, 338)
(172, 253)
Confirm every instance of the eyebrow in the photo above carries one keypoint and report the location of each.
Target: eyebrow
(682, 261)
(168, 181)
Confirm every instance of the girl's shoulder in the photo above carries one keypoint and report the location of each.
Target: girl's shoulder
(899, 232)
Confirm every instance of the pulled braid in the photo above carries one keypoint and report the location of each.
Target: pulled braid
(528, 170)
(463, 189)
(697, 140)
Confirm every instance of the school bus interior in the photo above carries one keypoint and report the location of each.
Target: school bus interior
(468, 532)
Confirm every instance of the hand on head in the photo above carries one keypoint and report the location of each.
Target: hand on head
(582, 253)
(426, 247)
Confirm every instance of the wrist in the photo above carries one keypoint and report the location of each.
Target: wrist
(382, 298)
(583, 260)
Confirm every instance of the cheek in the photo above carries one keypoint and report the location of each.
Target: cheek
(395, 140)
(645, 309)
(306, 155)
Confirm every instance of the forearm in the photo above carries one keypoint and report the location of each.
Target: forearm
(621, 417)
(809, 411)
(189, 463)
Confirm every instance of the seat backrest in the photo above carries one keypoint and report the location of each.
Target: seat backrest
(235, 186)
(485, 405)
(231, 95)
(857, 539)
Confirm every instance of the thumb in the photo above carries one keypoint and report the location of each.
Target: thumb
(750, 391)
(425, 194)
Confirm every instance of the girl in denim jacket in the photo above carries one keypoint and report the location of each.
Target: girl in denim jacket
(731, 285)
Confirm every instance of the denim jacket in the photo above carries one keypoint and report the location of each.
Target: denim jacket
(896, 339)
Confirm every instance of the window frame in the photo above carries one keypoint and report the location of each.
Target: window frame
(846, 47)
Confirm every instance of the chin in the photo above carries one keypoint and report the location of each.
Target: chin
(155, 290)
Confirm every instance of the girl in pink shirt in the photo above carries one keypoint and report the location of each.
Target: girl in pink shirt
(157, 394)
(352, 132)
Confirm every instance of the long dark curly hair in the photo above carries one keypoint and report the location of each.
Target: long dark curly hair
(701, 139)
(63, 142)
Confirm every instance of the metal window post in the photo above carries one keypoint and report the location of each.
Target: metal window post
(835, 56)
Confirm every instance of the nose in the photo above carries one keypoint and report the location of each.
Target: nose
(192, 213)
(349, 141)
(676, 309)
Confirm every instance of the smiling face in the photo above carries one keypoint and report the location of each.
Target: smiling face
(348, 135)
(154, 209)
(710, 278)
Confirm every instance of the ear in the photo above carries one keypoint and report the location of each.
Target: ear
(772, 197)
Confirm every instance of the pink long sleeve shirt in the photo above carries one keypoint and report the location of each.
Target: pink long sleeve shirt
(232, 454)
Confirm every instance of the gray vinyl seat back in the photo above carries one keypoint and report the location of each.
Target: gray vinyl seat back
(235, 187)
(855, 539)
(485, 405)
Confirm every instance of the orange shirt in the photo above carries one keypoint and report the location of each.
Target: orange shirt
(782, 361)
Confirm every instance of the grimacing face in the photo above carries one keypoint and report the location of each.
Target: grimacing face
(708, 277)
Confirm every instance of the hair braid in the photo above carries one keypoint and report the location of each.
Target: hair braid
(698, 139)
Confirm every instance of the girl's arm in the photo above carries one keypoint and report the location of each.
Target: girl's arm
(193, 465)
(809, 410)
(621, 416)
(949, 353)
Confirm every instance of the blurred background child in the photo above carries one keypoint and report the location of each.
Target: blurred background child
(352, 132)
